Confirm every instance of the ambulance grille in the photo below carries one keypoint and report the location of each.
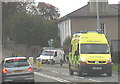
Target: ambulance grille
(91, 61)
(97, 62)
(102, 61)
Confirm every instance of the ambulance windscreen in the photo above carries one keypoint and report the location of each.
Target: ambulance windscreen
(94, 49)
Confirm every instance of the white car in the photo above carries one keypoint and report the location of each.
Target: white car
(52, 56)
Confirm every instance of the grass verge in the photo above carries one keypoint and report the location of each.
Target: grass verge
(116, 67)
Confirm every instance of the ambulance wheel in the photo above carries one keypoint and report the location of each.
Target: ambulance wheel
(109, 73)
(70, 70)
(79, 71)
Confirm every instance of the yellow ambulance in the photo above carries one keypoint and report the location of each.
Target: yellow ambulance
(90, 53)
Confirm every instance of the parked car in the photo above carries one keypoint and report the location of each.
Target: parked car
(52, 56)
(17, 69)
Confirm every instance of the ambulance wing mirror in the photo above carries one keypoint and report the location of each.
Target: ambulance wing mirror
(70, 49)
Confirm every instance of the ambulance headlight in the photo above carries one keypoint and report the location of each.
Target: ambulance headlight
(109, 61)
(83, 60)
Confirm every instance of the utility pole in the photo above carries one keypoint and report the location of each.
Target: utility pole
(98, 19)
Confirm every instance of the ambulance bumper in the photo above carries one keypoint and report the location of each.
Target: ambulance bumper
(93, 68)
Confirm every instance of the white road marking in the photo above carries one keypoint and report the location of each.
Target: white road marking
(81, 77)
(99, 81)
(94, 80)
(60, 73)
(54, 71)
(65, 74)
(51, 77)
(74, 76)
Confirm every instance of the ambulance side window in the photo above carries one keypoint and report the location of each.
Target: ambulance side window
(77, 51)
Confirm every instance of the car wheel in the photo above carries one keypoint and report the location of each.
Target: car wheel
(52, 62)
(47, 62)
(61, 62)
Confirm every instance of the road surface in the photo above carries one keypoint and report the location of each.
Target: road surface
(60, 74)
(56, 73)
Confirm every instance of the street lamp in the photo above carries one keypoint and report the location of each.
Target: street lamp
(50, 42)
(98, 19)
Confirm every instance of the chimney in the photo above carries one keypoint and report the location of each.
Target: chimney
(102, 5)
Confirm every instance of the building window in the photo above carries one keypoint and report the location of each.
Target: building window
(103, 28)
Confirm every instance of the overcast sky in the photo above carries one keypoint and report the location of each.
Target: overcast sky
(68, 6)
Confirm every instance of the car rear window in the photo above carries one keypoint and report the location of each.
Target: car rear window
(16, 63)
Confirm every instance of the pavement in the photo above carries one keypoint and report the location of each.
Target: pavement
(64, 65)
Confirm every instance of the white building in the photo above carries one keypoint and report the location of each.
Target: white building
(64, 30)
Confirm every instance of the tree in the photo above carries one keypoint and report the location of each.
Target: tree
(32, 30)
(10, 10)
(27, 29)
(22, 25)
(48, 11)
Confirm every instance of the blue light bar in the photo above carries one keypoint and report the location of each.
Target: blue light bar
(100, 32)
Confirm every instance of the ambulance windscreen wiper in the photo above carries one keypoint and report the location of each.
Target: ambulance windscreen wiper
(95, 52)
(103, 52)
(88, 52)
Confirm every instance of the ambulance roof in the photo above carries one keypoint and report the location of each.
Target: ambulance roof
(90, 37)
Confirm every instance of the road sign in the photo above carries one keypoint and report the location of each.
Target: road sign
(50, 42)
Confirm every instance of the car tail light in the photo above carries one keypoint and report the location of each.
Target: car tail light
(4, 71)
(15, 59)
(30, 69)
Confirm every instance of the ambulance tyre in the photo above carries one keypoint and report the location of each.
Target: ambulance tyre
(79, 71)
(70, 70)
(109, 73)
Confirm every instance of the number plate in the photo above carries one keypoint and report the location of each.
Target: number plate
(97, 68)
(18, 71)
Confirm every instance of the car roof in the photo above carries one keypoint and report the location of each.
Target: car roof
(50, 50)
(9, 58)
